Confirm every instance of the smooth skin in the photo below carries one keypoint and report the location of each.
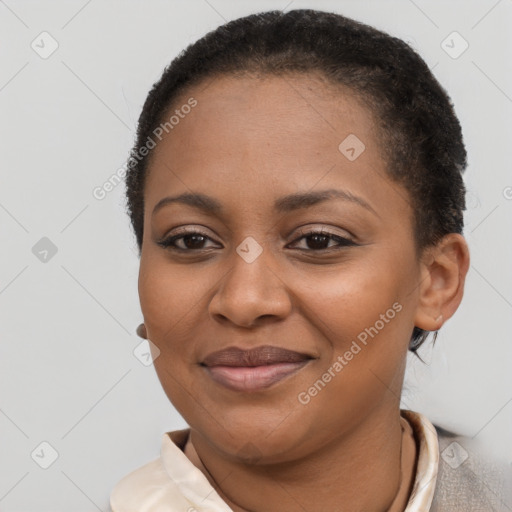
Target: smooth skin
(249, 142)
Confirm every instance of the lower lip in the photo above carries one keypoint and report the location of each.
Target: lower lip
(253, 378)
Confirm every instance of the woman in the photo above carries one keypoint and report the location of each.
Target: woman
(297, 197)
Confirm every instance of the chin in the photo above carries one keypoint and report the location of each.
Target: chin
(255, 439)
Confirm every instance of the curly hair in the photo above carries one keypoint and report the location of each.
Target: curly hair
(420, 135)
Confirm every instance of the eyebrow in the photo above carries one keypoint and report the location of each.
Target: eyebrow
(284, 204)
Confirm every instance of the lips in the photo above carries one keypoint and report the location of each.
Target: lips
(255, 369)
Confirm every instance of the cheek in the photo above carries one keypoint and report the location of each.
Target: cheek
(171, 297)
(346, 301)
(365, 314)
(362, 332)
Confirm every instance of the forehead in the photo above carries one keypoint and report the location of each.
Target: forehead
(258, 134)
(301, 109)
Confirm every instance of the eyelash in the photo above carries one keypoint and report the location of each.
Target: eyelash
(169, 243)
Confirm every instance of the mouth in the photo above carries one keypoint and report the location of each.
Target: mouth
(255, 369)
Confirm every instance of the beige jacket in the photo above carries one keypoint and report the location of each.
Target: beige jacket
(451, 476)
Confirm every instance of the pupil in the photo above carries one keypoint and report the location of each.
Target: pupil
(316, 241)
(196, 240)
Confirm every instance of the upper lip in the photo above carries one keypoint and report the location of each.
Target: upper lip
(259, 356)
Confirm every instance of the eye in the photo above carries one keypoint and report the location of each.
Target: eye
(317, 240)
(185, 241)
(194, 240)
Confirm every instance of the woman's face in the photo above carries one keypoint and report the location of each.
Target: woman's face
(265, 151)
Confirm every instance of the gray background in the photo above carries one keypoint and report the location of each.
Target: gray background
(68, 375)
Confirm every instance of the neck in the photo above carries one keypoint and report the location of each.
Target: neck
(369, 469)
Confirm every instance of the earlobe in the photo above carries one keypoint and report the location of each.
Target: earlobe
(141, 331)
(443, 274)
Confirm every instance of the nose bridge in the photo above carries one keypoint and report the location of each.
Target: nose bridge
(251, 288)
(252, 263)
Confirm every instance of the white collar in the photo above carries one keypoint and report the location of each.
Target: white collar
(424, 485)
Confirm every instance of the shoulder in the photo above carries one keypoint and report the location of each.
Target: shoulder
(468, 479)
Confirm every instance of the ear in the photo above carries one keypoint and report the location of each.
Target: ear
(443, 274)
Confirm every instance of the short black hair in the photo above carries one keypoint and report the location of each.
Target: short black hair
(421, 136)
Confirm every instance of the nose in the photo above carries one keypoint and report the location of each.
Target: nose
(251, 293)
